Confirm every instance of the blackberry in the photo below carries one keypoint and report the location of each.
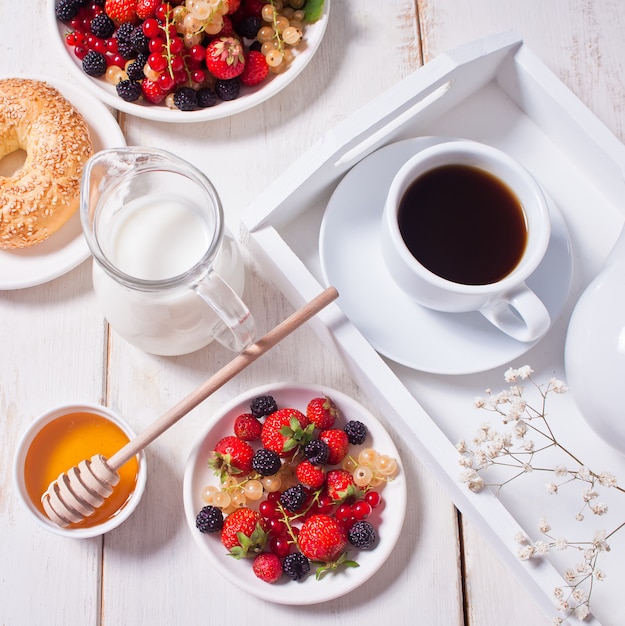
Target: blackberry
(266, 462)
(186, 99)
(356, 432)
(124, 32)
(249, 26)
(228, 89)
(293, 498)
(317, 451)
(262, 406)
(362, 535)
(256, 45)
(206, 97)
(135, 70)
(66, 10)
(102, 26)
(94, 63)
(296, 565)
(138, 40)
(126, 49)
(128, 90)
(209, 520)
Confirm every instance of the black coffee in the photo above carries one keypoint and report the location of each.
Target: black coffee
(463, 224)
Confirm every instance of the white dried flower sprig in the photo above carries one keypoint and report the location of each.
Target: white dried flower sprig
(526, 435)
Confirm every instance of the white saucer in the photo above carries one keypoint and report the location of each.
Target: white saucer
(66, 248)
(397, 327)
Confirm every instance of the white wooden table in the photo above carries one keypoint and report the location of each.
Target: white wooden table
(56, 347)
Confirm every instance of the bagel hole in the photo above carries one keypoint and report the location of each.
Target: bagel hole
(11, 163)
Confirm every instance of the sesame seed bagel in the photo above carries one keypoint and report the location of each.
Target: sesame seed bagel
(44, 193)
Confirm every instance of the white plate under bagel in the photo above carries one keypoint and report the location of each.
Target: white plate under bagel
(388, 519)
(67, 248)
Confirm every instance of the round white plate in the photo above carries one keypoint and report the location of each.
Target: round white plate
(66, 248)
(388, 519)
(250, 96)
(397, 327)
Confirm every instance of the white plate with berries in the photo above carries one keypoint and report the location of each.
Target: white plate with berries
(67, 248)
(302, 486)
(189, 61)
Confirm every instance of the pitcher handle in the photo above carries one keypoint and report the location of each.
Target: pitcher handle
(238, 329)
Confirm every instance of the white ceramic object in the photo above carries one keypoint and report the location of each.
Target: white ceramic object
(20, 457)
(67, 248)
(249, 97)
(167, 273)
(507, 303)
(394, 324)
(595, 350)
(388, 519)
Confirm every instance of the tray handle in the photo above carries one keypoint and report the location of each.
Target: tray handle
(387, 126)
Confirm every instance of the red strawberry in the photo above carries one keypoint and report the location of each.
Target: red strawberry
(322, 538)
(267, 567)
(225, 58)
(285, 430)
(231, 456)
(152, 91)
(247, 427)
(340, 486)
(242, 533)
(146, 8)
(310, 475)
(337, 442)
(121, 10)
(322, 412)
(256, 68)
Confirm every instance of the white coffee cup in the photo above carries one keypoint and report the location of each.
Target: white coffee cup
(442, 203)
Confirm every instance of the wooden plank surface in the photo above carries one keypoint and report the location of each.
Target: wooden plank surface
(55, 349)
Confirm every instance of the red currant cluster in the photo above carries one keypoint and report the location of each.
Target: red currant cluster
(189, 54)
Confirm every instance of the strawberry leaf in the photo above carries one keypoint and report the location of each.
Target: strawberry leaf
(324, 568)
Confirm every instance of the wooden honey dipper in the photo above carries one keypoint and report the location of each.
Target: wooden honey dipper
(77, 493)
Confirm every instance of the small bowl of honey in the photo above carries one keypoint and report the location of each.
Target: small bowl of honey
(60, 439)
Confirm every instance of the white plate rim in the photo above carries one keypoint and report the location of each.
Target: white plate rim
(51, 257)
(478, 361)
(309, 591)
(160, 113)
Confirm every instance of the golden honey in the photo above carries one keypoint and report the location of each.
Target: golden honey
(65, 442)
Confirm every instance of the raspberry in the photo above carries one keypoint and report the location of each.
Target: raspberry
(228, 89)
(296, 565)
(317, 452)
(262, 406)
(356, 432)
(94, 63)
(102, 26)
(209, 520)
(206, 97)
(266, 462)
(128, 90)
(293, 498)
(362, 535)
(186, 99)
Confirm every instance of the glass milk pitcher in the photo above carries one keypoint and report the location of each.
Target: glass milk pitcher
(166, 272)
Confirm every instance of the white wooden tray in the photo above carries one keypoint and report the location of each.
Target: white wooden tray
(495, 91)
